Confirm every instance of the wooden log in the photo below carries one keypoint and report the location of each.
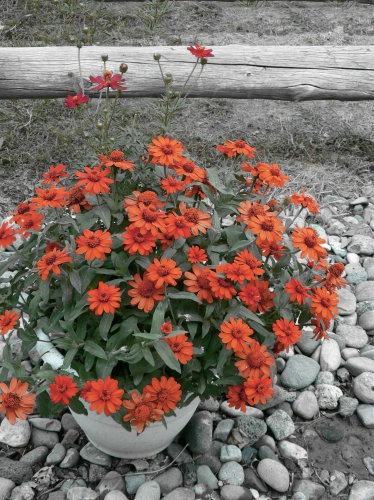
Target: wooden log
(296, 73)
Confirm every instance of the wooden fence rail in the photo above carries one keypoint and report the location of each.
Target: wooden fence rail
(295, 73)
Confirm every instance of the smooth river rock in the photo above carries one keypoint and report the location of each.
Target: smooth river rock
(274, 474)
(300, 372)
(354, 336)
(347, 301)
(363, 387)
(330, 358)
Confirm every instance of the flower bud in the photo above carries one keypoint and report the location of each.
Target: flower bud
(168, 78)
(203, 61)
(79, 44)
(156, 57)
(86, 30)
(104, 57)
(100, 125)
(123, 68)
(72, 39)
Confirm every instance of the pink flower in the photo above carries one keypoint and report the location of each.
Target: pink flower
(108, 80)
(75, 100)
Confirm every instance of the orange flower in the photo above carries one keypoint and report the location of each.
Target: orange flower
(235, 334)
(8, 321)
(94, 180)
(165, 393)
(136, 241)
(251, 297)
(171, 185)
(221, 287)
(258, 389)
(54, 174)
(50, 262)
(248, 210)
(287, 332)
(104, 298)
(198, 282)
(145, 293)
(30, 222)
(50, 197)
(178, 226)
(6, 235)
(51, 245)
(200, 51)
(147, 218)
(164, 151)
(141, 411)
(256, 360)
(163, 272)
(273, 248)
(271, 174)
(166, 327)
(323, 303)
(14, 402)
(320, 330)
(257, 296)
(251, 266)
(235, 272)
(77, 199)
(236, 397)
(116, 159)
(307, 240)
(267, 227)
(200, 221)
(181, 347)
(23, 209)
(85, 389)
(192, 173)
(334, 276)
(145, 198)
(104, 396)
(94, 244)
(196, 255)
(63, 389)
(297, 291)
(238, 147)
(305, 201)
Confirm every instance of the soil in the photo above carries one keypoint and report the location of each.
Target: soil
(326, 145)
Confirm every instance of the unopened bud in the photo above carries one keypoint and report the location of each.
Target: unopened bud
(203, 61)
(86, 30)
(123, 68)
(86, 134)
(168, 78)
(72, 39)
(79, 44)
(104, 57)
(156, 57)
(100, 125)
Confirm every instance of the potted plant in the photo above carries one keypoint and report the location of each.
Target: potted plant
(147, 284)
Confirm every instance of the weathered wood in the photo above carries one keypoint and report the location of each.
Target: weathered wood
(296, 73)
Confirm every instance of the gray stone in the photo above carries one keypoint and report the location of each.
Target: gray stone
(46, 424)
(365, 305)
(366, 320)
(335, 228)
(117, 495)
(251, 480)
(209, 404)
(347, 406)
(277, 398)
(351, 319)
(329, 431)
(363, 387)
(17, 472)
(328, 396)
(280, 364)
(90, 453)
(369, 464)
(148, 491)
(81, 493)
(72, 483)
(311, 490)
(369, 267)
(266, 452)
(338, 482)
(362, 490)
(43, 438)
(355, 274)
(248, 454)
(365, 413)
(291, 450)
(354, 336)
(70, 438)
(325, 378)
(252, 428)
(35, 456)
(179, 454)
(231, 473)
(96, 473)
(356, 366)
(300, 372)
(350, 352)
(6, 487)
(23, 492)
(365, 291)
(367, 352)
(274, 474)
(189, 474)
(133, 482)
(343, 375)
(16, 435)
(230, 452)
(56, 455)
(206, 476)
(223, 429)
(306, 405)
(307, 342)
(361, 244)
(71, 459)
(232, 492)
(280, 424)
(169, 480)
(69, 422)
(330, 358)
(210, 460)
(234, 412)
(111, 481)
(180, 494)
(347, 301)
(336, 245)
(353, 258)
(199, 432)
(342, 343)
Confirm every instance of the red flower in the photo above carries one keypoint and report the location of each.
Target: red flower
(104, 395)
(141, 411)
(8, 321)
(6, 235)
(72, 101)
(63, 389)
(165, 393)
(200, 51)
(14, 401)
(108, 80)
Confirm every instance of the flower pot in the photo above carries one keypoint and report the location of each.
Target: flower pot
(113, 439)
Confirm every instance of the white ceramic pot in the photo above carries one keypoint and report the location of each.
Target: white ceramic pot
(113, 439)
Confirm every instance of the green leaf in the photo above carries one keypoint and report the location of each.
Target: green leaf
(103, 211)
(240, 245)
(44, 289)
(75, 280)
(89, 361)
(46, 407)
(77, 406)
(167, 355)
(95, 349)
(86, 220)
(68, 357)
(184, 296)
(159, 316)
(223, 356)
(105, 324)
(147, 336)
(147, 354)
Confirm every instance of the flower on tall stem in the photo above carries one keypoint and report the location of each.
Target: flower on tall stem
(108, 80)
(72, 101)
